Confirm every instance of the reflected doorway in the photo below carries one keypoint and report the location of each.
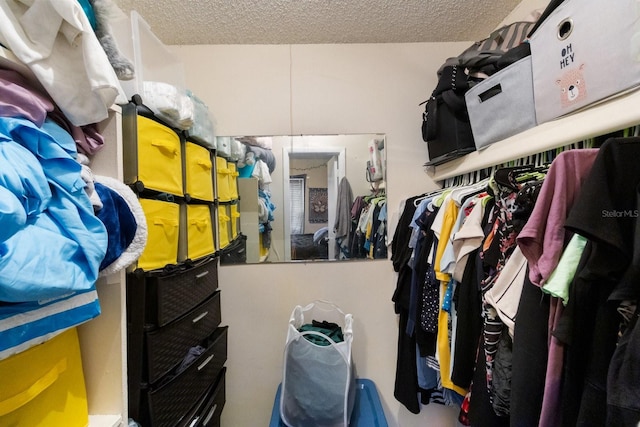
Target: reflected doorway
(326, 167)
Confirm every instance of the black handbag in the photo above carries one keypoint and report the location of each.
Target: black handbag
(445, 122)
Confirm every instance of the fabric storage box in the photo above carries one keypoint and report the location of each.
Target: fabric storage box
(224, 226)
(44, 385)
(163, 219)
(152, 60)
(223, 146)
(153, 157)
(233, 180)
(202, 130)
(502, 105)
(170, 401)
(223, 180)
(583, 52)
(167, 346)
(200, 234)
(207, 412)
(234, 218)
(198, 168)
(238, 150)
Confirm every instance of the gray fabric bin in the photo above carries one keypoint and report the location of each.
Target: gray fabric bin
(584, 52)
(502, 105)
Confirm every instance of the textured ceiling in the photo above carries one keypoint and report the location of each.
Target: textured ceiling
(188, 22)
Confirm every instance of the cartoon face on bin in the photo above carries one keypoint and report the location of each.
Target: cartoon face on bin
(572, 86)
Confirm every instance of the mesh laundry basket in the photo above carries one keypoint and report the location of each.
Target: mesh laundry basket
(318, 386)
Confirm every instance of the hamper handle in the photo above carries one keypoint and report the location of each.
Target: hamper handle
(297, 316)
(14, 402)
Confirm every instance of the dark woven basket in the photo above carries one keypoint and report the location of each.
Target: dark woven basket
(207, 412)
(173, 399)
(165, 347)
(171, 294)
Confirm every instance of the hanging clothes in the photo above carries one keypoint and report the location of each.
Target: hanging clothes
(343, 216)
(604, 213)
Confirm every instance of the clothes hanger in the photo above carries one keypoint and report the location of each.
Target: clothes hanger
(434, 193)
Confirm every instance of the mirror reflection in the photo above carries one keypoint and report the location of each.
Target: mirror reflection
(312, 197)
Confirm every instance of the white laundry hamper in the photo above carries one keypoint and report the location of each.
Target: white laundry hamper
(318, 384)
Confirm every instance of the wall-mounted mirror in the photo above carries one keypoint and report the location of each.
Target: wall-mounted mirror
(312, 197)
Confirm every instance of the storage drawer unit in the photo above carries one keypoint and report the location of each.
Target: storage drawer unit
(171, 294)
(171, 401)
(169, 313)
(165, 347)
(206, 413)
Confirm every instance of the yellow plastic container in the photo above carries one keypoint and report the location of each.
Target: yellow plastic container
(163, 221)
(233, 180)
(198, 167)
(200, 237)
(223, 180)
(235, 221)
(159, 157)
(223, 226)
(44, 385)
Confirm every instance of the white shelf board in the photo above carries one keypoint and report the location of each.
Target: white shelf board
(105, 420)
(613, 114)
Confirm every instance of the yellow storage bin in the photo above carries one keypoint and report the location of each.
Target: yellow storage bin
(163, 220)
(44, 385)
(235, 221)
(159, 157)
(223, 178)
(233, 180)
(200, 237)
(263, 251)
(224, 230)
(198, 167)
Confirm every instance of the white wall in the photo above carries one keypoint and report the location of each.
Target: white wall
(318, 89)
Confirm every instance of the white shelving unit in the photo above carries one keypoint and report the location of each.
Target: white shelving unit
(248, 191)
(103, 339)
(613, 114)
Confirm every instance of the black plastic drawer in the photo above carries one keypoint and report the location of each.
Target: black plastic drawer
(206, 413)
(167, 346)
(171, 401)
(170, 295)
